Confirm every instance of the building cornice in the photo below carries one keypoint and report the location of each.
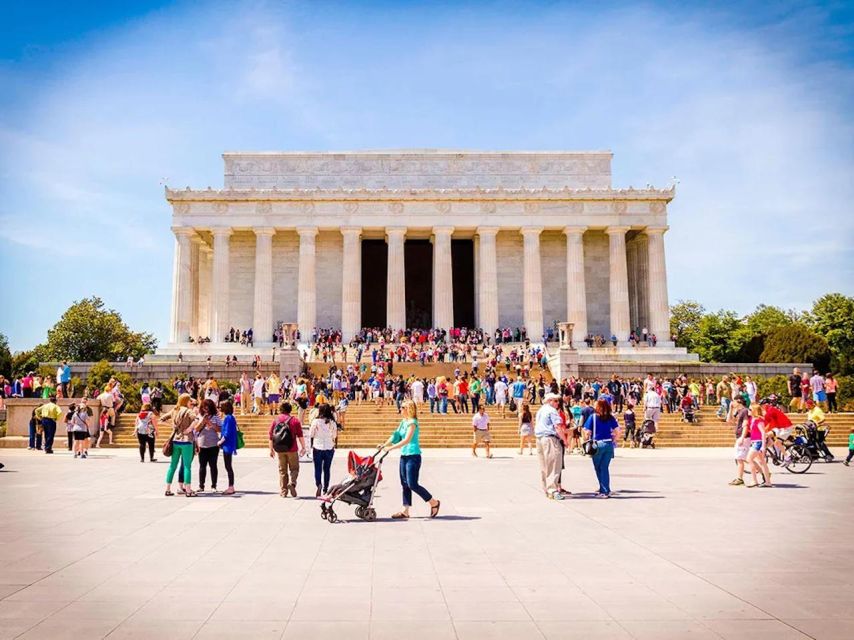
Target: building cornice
(499, 193)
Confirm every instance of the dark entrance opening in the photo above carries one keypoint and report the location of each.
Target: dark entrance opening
(374, 279)
(418, 262)
(462, 261)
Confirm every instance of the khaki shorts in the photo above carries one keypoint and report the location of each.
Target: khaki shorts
(481, 436)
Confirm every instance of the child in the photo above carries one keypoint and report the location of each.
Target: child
(850, 447)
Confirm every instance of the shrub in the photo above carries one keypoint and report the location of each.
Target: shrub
(796, 343)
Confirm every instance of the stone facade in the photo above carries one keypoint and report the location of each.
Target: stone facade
(552, 240)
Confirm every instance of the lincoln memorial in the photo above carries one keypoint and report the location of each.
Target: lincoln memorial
(419, 238)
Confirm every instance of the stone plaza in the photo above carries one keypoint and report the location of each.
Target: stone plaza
(92, 549)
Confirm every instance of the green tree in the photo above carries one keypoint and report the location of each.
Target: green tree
(25, 361)
(796, 343)
(748, 340)
(832, 316)
(5, 357)
(685, 318)
(88, 332)
(714, 340)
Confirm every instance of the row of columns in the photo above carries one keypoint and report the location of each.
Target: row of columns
(203, 274)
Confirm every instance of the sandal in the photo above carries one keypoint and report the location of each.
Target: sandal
(399, 516)
(434, 511)
(168, 493)
(190, 494)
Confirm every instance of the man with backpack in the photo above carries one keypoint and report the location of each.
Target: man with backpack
(287, 444)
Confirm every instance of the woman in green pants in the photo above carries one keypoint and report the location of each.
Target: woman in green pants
(184, 426)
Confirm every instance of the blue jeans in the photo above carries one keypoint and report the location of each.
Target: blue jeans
(322, 459)
(398, 400)
(433, 405)
(601, 461)
(49, 427)
(410, 467)
(35, 441)
(443, 404)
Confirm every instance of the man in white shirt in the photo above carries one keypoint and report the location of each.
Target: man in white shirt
(258, 394)
(549, 446)
(652, 406)
(480, 424)
(501, 396)
(418, 391)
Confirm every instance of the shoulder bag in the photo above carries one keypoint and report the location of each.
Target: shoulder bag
(589, 447)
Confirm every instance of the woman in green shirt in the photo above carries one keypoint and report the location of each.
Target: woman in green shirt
(405, 438)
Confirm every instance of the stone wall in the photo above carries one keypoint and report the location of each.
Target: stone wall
(508, 249)
(700, 369)
(285, 276)
(241, 269)
(330, 256)
(553, 263)
(596, 281)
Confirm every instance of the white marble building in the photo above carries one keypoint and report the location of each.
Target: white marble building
(418, 238)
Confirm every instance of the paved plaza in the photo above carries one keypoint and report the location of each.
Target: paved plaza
(92, 548)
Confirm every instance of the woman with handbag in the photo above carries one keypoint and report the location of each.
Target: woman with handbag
(207, 443)
(145, 426)
(180, 446)
(600, 436)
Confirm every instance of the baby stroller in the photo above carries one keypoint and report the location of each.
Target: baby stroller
(816, 446)
(646, 435)
(358, 488)
(689, 415)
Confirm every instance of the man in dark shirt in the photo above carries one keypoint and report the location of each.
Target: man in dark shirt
(793, 383)
(616, 389)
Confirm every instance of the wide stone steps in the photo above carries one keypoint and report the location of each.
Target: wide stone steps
(367, 426)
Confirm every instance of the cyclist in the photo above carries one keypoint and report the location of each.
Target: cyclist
(777, 426)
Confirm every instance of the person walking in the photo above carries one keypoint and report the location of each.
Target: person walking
(146, 432)
(756, 456)
(287, 445)
(526, 430)
(245, 388)
(405, 438)
(480, 426)
(549, 447)
(183, 440)
(49, 413)
(601, 430)
(228, 442)
(323, 434)
(207, 441)
(80, 430)
(830, 387)
(847, 460)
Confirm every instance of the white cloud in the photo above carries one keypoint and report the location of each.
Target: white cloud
(755, 121)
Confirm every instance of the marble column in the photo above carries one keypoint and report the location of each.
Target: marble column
(487, 289)
(443, 279)
(576, 289)
(262, 313)
(307, 282)
(195, 254)
(632, 270)
(205, 280)
(659, 308)
(181, 285)
(532, 283)
(618, 284)
(220, 285)
(351, 283)
(396, 292)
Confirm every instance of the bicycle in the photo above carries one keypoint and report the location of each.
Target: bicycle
(797, 458)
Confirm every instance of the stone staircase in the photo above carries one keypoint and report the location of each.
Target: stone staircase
(368, 425)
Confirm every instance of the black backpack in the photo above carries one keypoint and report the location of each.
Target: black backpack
(283, 437)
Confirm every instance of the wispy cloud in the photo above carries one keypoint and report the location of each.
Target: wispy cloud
(749, 105)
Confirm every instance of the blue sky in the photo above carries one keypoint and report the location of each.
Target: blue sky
(749, 105)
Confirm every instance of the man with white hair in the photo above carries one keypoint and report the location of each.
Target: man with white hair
(549, 447)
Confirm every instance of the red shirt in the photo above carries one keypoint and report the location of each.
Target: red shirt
(296, 428)
(776, 419)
